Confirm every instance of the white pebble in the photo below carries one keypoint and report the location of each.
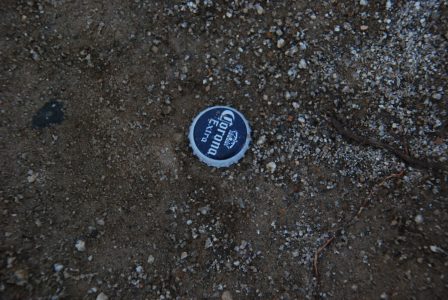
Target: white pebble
(437, 249)
(389, 4)
(418, 219)
(151, 259)
(208, 243)
(437, 96)
(259, 9)
(32, 176)
(80, 245)
(364, 27)
(261, 140)
(271, 167)
(102, 296)
(58, 267)
(302, 64)
(281, 43)
(183, 255)
(363, 2)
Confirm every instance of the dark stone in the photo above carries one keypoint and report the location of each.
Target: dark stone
(51, 113)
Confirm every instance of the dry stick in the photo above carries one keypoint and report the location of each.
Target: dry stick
(316, 255)
(437, 167)
(364, 206)
(421, 164)
(350, 222)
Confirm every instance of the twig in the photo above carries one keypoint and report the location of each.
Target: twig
(316, 255)
(348, 134)
(396, 175)
(364, 205)
(350, 222)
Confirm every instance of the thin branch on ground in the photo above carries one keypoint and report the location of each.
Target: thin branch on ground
(316, 255)
(351, 221)
(412, 161)
(366, 203)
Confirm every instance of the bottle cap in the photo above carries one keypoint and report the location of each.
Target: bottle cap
(219, 136)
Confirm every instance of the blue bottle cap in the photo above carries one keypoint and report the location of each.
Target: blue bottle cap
(219, 136)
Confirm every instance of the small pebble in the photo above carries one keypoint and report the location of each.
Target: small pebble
(80, 245)
(364, 27)
(58, 267)
(259, 9)
(261, 140)
(437, 96)
(102, 296)
(418, 219)
(281, 43)
(363, 2)
(302, 64)
(184, 255)
(35, 55)
(389, 4)
(32, 176)
(208, 243)
(271, 167)
(436, 249)
(151, 259)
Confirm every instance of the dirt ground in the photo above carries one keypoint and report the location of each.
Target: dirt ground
(108, 201)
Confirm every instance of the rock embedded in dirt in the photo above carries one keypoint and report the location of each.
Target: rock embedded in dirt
(102, 296)
(58, 267)
(271, 166)
(259, 9)
(150, 259)
(281, 43)
(80, 245)
(418, 219)
(261, 140)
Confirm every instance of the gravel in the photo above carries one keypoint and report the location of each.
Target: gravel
(114, 171)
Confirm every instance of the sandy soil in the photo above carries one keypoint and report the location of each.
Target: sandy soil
(108, 201)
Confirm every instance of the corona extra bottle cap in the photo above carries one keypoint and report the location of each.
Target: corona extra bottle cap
(219, 136)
